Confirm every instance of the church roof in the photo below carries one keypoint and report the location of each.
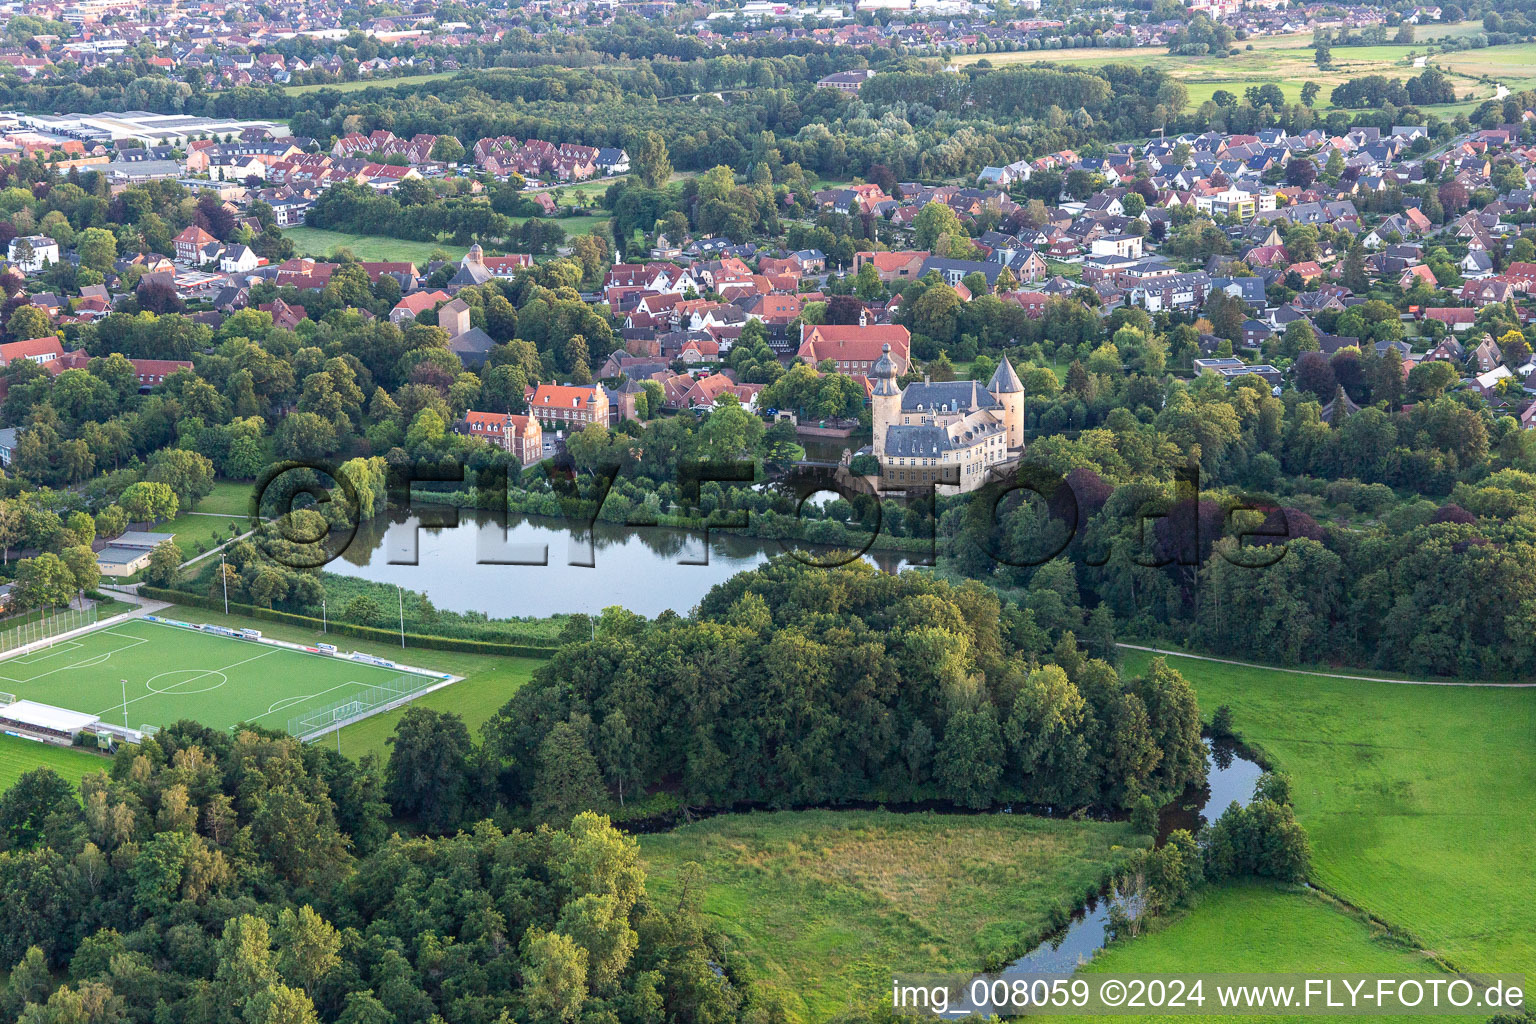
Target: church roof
(470, 272)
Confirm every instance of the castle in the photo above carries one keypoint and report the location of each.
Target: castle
(948, 433)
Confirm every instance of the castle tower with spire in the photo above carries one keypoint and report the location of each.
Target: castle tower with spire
(1006, 387)
(885, 402)
(947, 433)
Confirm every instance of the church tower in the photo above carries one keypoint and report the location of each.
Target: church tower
(885, 402)
(1006, 387)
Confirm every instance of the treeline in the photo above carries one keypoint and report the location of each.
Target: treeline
(359, 209)
(798, 685)
(1432, 86)
(250, 879)
(1125, 97)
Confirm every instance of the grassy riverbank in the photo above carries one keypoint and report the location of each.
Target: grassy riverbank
(1418, 799)
(824, 905)
(1258, 928)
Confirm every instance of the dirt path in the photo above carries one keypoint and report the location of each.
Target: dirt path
(1325, 675)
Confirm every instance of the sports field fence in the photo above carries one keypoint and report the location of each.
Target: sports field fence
(367, 699)
(14, 636)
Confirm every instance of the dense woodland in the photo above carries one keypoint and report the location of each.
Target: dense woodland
(800, 686)
(248, 878)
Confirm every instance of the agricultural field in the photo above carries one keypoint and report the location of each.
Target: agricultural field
(141, 672)
(1287, 61)
(1417, 799)
(19, 756)
(824, 905)
(319, 242)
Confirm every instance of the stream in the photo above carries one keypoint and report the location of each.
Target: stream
(1230, 778)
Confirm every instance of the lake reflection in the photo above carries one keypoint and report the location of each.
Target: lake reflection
(538, 567)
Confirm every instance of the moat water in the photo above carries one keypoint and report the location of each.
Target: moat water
(536, 567)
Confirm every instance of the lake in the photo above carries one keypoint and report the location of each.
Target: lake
(538, 567)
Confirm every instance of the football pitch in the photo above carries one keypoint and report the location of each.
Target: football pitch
(171, 673)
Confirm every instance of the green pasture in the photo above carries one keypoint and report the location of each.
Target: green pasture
(1418, 799)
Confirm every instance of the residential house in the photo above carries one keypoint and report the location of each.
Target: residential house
(568, 407)
(44, 251)
(854, 348)
(520, 435)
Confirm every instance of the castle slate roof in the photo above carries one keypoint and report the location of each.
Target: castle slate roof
(1004, 380)
(917, 440)
(961, 396)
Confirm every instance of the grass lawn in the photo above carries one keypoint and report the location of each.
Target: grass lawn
(18, 756)
(319, 242)
(229, 497)
(192, 529)
(369, 83)
(166, 673)
(1418, 799)
(1257, 928)
(579, 224)
(489, 681)
(826, 904)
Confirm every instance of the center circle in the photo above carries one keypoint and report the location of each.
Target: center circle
(186, 675)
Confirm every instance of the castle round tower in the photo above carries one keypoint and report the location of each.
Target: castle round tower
(885, 401)
(1006, 387)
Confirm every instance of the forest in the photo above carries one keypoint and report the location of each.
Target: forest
(796, 685)
(250, 879)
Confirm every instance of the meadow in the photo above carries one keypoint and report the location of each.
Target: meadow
(320, 242)
(1255, 927)
(575, 224)
(824, 905)
(1417, 799)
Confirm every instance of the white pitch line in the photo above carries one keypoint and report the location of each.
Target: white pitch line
(91, 662)
(37, 657)
(322, 693)
(204, 672)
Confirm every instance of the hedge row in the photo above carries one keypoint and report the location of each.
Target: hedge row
(530, 649)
